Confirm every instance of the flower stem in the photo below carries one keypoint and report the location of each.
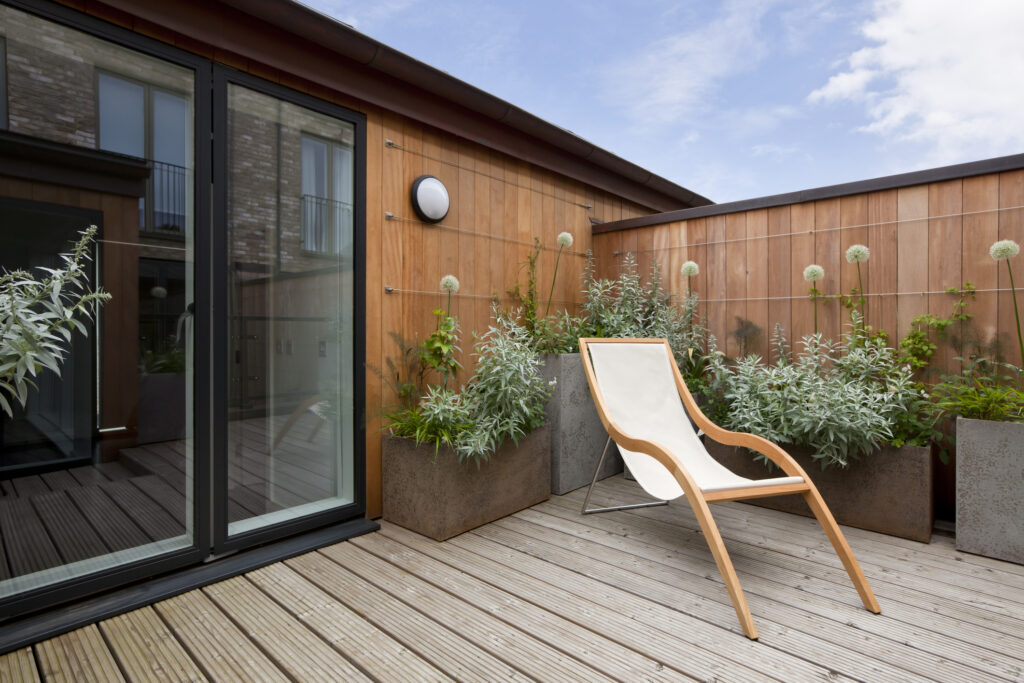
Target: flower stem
(863, 301)
(1016, 312)
(553, 276)
(449, 311)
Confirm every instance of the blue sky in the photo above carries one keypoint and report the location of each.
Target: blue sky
(739, 98)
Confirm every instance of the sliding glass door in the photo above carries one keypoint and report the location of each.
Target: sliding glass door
(101, 468)
(287, 427)
(215, 403)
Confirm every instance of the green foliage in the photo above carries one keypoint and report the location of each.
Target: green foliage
(38, 317)
(504, 399)
(984, 390)
(917, 347)
(170, 360)
(841, 400)
(437, 351)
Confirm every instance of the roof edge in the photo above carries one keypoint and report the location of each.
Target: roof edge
(965, 170)
(343, 39)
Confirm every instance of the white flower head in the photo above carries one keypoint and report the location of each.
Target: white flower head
(450, 284)
(1004, 249)
(858, 253)
(158, 292)
(813, 273)
(564, 240)
(690, 269)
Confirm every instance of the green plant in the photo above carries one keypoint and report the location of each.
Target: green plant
(437, 351)
(38, 317)
(503, 400)
(917, 347)
(983, 390)
(564, 242)
(813, 273)
(840, 400)
(1004, 250)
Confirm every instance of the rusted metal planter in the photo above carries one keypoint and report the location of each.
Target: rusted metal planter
(442, 498)
(888, 491)
(990, 488)
(577, 435)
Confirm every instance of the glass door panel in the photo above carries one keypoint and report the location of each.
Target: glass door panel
(290, 294)
(97, 469)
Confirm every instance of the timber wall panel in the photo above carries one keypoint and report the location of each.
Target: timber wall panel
(923, 239)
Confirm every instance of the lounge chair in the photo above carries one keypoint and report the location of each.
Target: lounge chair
(640, 396)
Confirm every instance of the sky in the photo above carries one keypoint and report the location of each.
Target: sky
(736, 99)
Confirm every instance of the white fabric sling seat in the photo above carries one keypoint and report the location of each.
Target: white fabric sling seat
(643, 402)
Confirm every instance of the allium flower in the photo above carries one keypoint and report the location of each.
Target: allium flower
(564, 240)
(1004, 249)
(690, 269)
(450, 284)
(813, 273)
(858, 253)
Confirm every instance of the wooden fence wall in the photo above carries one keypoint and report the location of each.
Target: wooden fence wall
(922, 238)
(499, 205)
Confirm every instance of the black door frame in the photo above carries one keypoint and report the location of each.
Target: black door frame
(223, 77)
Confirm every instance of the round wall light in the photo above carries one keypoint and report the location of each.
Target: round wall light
(430, 199)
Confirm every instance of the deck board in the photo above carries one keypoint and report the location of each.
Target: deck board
(551, 595)
(20, 666)
(293, 647)
(146, 651)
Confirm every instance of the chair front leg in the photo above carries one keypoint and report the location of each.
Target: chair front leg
(842, 548)
(721, 555)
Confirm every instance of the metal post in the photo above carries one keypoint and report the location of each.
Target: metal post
(593, 481)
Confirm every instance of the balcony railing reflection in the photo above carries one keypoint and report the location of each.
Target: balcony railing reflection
(168, 194)
(326, 225)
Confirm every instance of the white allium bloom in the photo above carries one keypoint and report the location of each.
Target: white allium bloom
(450, 284)
(1004, 249)
(564, 240)
(690, 269)
(158, 292)
(858, 253)
(813, 273)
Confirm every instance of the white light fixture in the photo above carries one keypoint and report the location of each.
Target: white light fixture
(430, 199)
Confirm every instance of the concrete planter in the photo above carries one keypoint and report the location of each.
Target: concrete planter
(443, 498)
(990, 488)
(889, 491)
(577, 435)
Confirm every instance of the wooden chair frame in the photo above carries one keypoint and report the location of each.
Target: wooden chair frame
(699, 500)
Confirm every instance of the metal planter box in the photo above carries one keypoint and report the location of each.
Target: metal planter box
(990, 488)
(888, 491)
(577, 435)
(442, 497)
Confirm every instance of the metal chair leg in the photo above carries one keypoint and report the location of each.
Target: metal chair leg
(590, 489)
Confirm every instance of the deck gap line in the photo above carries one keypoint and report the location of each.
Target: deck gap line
(501, 618)
(593, 524)
(968, 648)
(496, 655)
(763, 617)
(326, 642)
(873, 553)
(528, 577)
(528, 601)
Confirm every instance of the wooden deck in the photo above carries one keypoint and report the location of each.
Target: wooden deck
(548, 594)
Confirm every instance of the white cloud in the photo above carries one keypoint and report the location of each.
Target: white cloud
(676, 77)
(943, 73)
(777, 152)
